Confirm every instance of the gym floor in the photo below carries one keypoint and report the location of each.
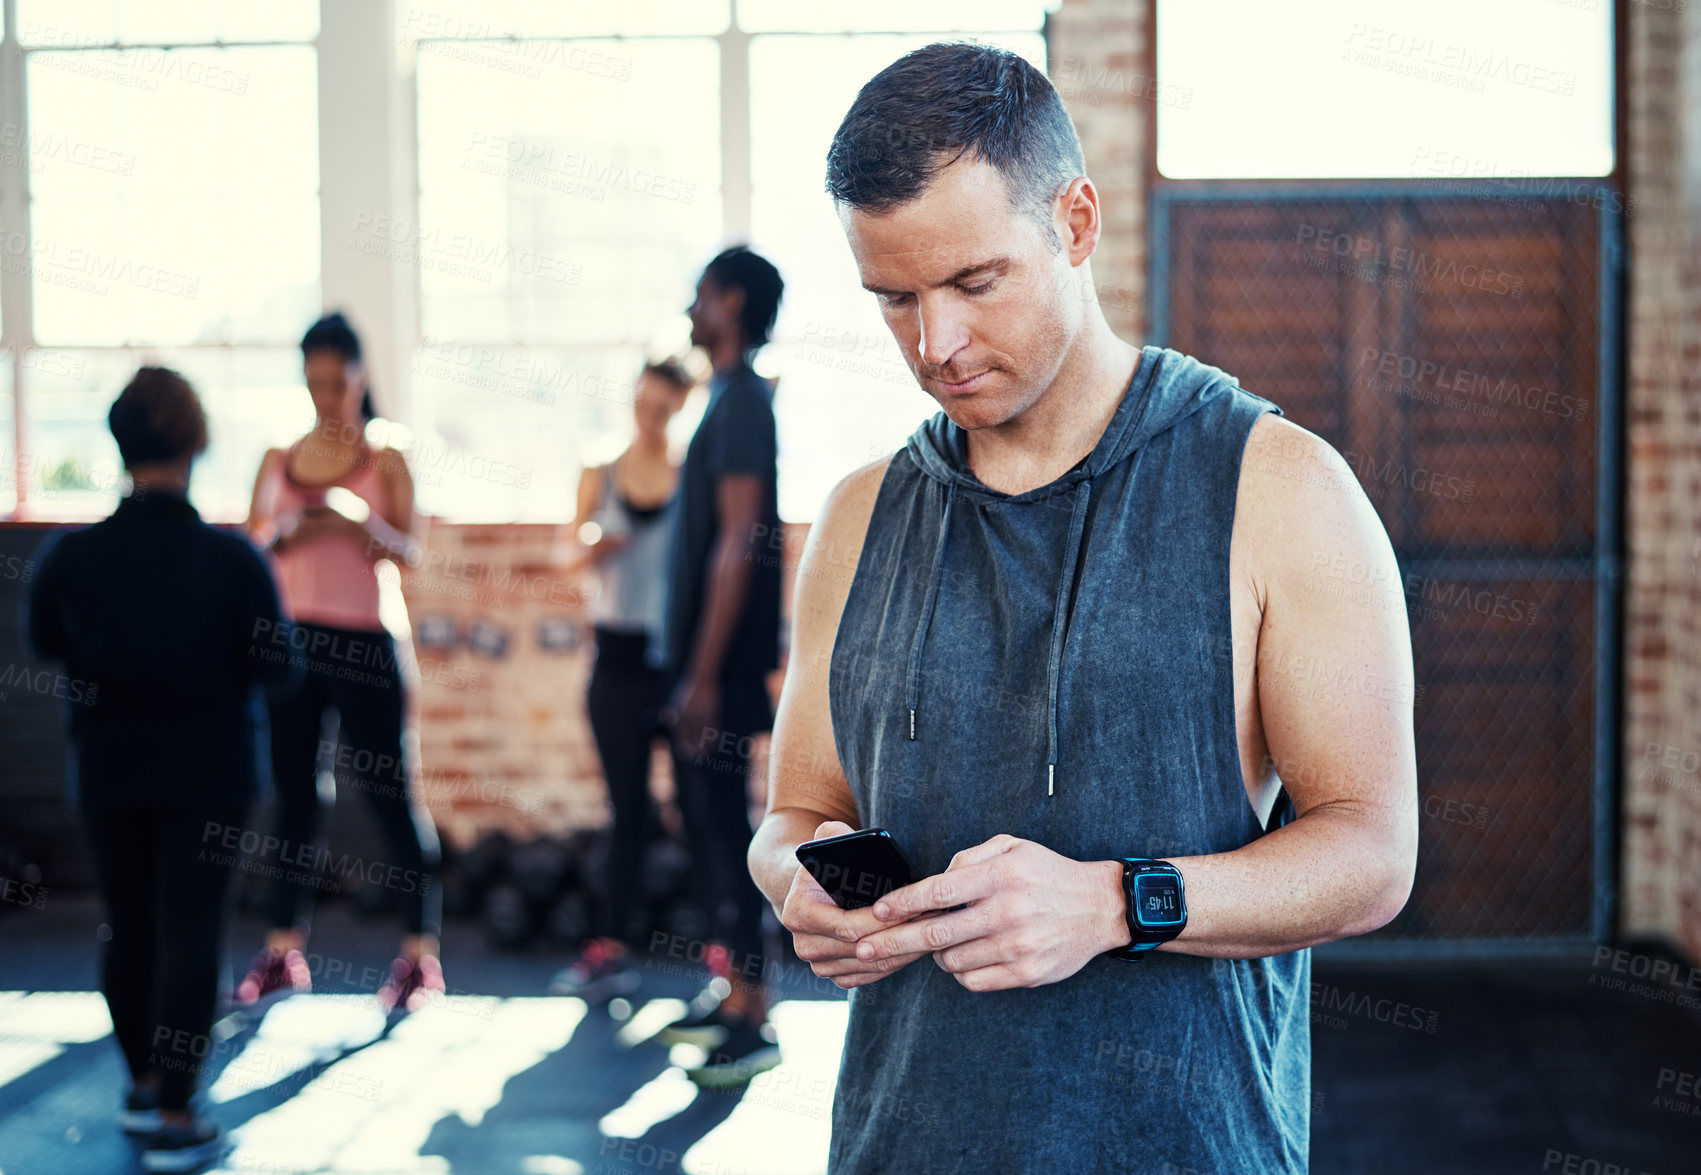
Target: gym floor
(1480, 1068)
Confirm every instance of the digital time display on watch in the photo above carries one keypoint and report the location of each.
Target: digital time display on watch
(1157, 900)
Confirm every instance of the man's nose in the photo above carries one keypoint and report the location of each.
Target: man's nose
(943, 334)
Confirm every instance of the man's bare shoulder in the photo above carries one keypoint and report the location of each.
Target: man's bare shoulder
(1300, 507)
(835, 541)
(850, 504)
(1288, 469)
(1277, 447)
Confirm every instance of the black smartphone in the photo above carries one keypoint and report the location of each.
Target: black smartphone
(857, 868)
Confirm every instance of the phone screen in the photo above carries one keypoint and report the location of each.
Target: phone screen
(858, 868)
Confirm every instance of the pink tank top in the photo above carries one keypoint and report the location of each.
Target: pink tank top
(326, 580)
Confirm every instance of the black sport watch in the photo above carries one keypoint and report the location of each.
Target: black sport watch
(1156, 909)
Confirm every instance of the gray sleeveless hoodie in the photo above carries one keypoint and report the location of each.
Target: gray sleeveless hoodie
(1056, 665)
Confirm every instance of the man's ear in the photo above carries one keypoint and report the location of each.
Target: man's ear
(1077, 219)
(733, 298)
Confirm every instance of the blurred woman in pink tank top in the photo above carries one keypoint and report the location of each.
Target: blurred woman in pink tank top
(329, 508)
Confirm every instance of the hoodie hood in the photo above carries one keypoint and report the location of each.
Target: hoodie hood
(1167, 387)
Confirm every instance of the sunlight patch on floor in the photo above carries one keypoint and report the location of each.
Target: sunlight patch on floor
(63, 1017)
(296, 1033)
(650, 1019)
(374, 1110)
(35, 1027)
(782, 1122)
(664, 1096)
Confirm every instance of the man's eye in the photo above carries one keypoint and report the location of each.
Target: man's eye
(892, 299)
(980, 289)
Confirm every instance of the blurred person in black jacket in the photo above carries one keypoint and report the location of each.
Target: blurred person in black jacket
(167, 630)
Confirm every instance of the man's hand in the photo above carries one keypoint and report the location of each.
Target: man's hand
(825, 936)
(1032, 916)
(693, 712)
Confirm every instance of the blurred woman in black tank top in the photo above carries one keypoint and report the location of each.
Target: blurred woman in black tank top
(623, 525)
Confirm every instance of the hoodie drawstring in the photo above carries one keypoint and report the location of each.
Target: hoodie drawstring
(927, 606)
(1059, 619)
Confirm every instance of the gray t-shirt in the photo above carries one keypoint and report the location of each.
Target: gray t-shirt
(737, 435)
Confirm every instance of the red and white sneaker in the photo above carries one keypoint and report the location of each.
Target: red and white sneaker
(597, 976)
(412, 985)
(273, 971)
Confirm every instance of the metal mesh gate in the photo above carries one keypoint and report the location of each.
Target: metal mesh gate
(1458, 348)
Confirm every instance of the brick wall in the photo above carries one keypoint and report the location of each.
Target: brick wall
(504, 741)
(1662, 737)
(1099, 64)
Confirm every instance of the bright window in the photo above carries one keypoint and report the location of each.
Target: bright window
(77, 23)
(174, 219)
(569, 190)
(572, 168)
(524, 375)
(1403, 88)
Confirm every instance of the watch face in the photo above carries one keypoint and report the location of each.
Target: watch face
(1157, 900)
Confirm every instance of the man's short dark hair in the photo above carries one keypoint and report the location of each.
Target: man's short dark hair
(157, 419)
(740, 269)
(669, 371)
(943, 101)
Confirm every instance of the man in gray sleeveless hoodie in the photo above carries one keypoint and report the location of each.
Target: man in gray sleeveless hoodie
(1106, 605)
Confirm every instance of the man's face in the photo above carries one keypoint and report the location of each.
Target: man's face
(713, 312)
(971, 291)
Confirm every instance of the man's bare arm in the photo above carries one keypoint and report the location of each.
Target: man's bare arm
(806, 782)
(808, 794)
(1335, 688)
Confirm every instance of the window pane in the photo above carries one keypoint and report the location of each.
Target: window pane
(1413, 88)
(473, 19)
(71, 468)
(185, 212)
(845, 394)
(8, 440)
(69, 23)
(567, 206)
(514, 425)
(891, 15)
(253, 398)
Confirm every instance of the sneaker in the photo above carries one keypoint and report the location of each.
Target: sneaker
(413, 984)
(140, 1114)
(749, 1049)
(597, 976)
(703, 1023)
(182, 1148)
(274, 970)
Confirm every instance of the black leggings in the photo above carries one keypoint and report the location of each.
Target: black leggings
(353, 672)
(165, 877)
(624, 698)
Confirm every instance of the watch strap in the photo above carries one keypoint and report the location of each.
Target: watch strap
(1137, 949)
